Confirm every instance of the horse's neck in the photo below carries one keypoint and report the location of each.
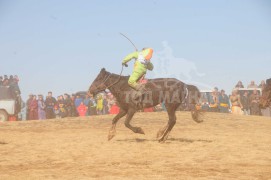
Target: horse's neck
(114, 84)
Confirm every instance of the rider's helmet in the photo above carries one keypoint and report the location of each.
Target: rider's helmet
(147, 53)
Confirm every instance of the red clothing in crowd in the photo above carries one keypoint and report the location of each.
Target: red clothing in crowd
(33, 110)
(114, 109)
(82, 109)
(148, 109)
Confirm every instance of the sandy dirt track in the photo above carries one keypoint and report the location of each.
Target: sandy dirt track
(224, 146)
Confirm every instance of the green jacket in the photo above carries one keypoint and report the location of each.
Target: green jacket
(138, 66)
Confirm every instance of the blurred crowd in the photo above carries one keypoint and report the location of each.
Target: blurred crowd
(80, 104)
(242, 100)
(38, 107)
(12, 82)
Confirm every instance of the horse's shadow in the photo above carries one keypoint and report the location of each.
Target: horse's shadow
(169, 140)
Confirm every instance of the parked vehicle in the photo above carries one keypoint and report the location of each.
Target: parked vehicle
(82, 94)
(10, 103)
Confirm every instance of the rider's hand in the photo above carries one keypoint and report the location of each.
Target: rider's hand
(124, 64)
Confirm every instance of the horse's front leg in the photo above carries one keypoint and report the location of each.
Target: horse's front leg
(129, 117)
(112, 131)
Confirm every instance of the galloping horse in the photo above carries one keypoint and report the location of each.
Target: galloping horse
(169, 91)
(265, 100)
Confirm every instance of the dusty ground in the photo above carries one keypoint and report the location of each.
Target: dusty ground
(223, 147)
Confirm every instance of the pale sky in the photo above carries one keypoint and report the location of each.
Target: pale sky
(61, 46)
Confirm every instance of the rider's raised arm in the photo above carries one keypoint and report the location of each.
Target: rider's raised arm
(129, 57)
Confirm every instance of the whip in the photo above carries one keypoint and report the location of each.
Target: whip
(129, 40)
(131, 43)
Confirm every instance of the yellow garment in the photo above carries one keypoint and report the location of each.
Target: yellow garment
(224, 105)
(99, 106)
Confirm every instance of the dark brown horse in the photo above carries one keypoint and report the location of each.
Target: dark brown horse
(265, 100)
(169, 91)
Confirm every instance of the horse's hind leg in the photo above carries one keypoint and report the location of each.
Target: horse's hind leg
(112, 131)
(162, 134)
(129, 117)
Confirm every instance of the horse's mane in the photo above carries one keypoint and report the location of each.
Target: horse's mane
(117, 76)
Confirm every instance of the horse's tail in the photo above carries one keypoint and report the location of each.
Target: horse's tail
(193, 101)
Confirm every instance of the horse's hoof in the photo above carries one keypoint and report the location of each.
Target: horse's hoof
(110, 136)
(159, 134)
(140, 131)
(198, 121)
(161, 140)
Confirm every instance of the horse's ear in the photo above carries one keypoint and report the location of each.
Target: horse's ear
(103, 70)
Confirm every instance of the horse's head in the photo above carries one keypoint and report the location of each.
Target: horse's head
(98, 84)
(266, 96)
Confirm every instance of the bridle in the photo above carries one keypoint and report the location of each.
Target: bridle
(105, 79)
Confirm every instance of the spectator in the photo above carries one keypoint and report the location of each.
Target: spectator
(61, 106)
(110, 100)
(86, 103)
(105, 105)
(16, 79)
(5, 81)
(28, 103)
(22, 113)
(99, 106)
(262, 85)
(50, 103)
(236, 103)
(18, 102)
(68, 104)
(224, 103)
(239, 85)
(10, 80)
(252, 85)
(41, 108)
(214, 100)
(92, 106)
(245, 103)
(205, 105)
(77, 102)
(73, 108)
(82, 109)
(56, 111)
(14, 86)
(33, 112)
(1, 80)
(254, 100)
